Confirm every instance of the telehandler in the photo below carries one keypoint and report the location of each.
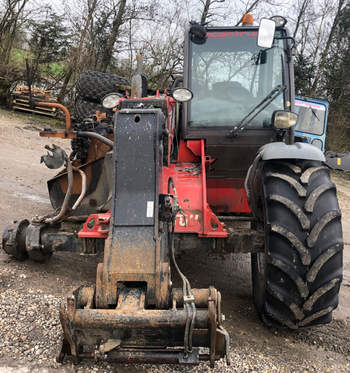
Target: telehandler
(210, 164)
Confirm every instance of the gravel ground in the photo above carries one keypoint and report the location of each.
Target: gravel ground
(30, 293)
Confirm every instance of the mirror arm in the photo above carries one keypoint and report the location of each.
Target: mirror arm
(287, 38)
(289, 50)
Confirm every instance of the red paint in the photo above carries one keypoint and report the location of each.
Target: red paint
(211, 227)
(186, 154)
(99, 226)
(232, 34)
(227, 195)
(188, 186)
(204, 186)
(191, 187)
(195, 146)
(170, 102)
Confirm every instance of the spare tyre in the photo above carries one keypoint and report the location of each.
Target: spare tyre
(94, 85)
(84, 108)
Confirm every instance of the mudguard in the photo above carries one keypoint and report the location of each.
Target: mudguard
(271, 151)
(299, 150)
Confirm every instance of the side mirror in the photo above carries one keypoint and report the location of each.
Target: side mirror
(266, 33)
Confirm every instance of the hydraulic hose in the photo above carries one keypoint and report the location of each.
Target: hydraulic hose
(83, 188)
(188, 301)
(96, 136)
(65, 203)
(68, 195)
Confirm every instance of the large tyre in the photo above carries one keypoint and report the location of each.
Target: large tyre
(84, 108)
(14, 240)
(14, 243)
(296, 281)
(94, 85)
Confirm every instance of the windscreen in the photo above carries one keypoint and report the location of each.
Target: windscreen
(311, 117)
(230, 75)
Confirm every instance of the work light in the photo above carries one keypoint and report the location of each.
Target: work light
(284, 119)
(111, 100)
(182, 94)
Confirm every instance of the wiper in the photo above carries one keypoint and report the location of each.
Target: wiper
(241, 125)
(314, 113)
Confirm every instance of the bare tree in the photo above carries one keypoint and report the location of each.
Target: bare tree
(77, 52)
(208, 11)
(301, 14)
(317, 42)
(9, 24)
(117, 23)
(161, 44)
(325, 51)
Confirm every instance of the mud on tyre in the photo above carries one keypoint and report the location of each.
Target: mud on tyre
(296, 281)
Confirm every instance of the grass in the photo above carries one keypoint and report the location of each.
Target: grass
(54, 69)
(19, 55)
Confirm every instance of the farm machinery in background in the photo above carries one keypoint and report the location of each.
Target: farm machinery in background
(312, 121)
(312, 128)
(212, 164)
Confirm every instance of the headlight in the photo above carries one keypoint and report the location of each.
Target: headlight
(182, 94)
(284, 119)
(111, 100)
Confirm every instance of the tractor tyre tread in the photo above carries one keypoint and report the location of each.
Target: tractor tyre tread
(304, 245)
(94, 85)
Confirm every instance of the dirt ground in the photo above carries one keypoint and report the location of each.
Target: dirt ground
(254, 347)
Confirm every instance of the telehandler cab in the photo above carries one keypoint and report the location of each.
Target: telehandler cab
(211, 164)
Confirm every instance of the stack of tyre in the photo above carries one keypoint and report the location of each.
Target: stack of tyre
(91, 88)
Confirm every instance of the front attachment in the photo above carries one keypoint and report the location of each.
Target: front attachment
(133, 314)
(131, 333)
